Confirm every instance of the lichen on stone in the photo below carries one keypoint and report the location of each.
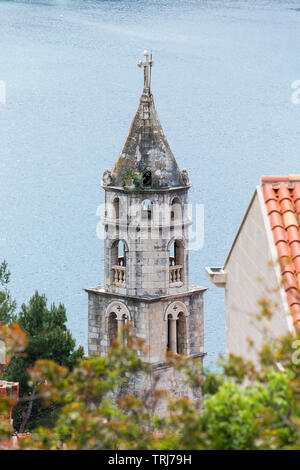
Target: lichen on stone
(146, 148)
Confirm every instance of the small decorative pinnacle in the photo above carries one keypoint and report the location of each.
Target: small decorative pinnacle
(147, 64)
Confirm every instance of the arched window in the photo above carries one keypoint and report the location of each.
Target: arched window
(176, 210)
(181, 334)
(116, 206)
(112, 328)
(118, 263)
(176, 317)
(147, 178)
(146, 209)
(118, 253)
(176, 261)
(176, 334)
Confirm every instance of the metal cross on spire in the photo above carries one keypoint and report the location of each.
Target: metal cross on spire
(147, 64)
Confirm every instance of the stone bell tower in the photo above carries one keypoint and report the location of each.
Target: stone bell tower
(146, 265)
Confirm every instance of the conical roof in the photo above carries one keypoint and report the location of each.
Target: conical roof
(146, 153)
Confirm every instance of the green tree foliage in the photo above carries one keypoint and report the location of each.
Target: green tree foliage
(7, 305)
(259, 411)
(90, 417)
(244, 406)
(48, 338)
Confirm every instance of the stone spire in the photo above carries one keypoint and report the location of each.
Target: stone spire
(146, 153)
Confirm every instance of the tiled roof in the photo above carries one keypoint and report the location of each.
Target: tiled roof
(282, 198)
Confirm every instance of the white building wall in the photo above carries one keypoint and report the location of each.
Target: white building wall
(250, 276)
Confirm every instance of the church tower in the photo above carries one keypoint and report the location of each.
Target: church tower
(146, 268)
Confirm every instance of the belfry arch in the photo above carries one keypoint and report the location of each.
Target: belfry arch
(176, 262)
(117, 316)
(176, 210)
(176, 327)
(118, 257)
(116, 208)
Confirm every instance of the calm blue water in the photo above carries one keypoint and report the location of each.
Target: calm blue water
(222, 84)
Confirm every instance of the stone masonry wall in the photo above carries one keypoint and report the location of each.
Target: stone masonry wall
(147, 270)
(148, 318)
(162, 378)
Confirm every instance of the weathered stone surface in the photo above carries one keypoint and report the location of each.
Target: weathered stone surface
(147, 284)
(148, 320)
(162, 378)
(146, 149)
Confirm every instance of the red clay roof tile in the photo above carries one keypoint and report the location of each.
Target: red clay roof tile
(272, 206)
(297, 205)
(289, 218)
(273, 179)
(297, 263)
(279, 234)
(283, 192)
(293, 234)
(286, 205)
(287, 268)
(277, 179)
(283, 208)
(298, 280)
(283, 249)
(296, 191)
(292, 296)
(276, 220)
(296, 309)
(269, 193)
(289, 280)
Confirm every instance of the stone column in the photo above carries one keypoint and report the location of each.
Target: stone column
(120, 326)
(173, 335)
